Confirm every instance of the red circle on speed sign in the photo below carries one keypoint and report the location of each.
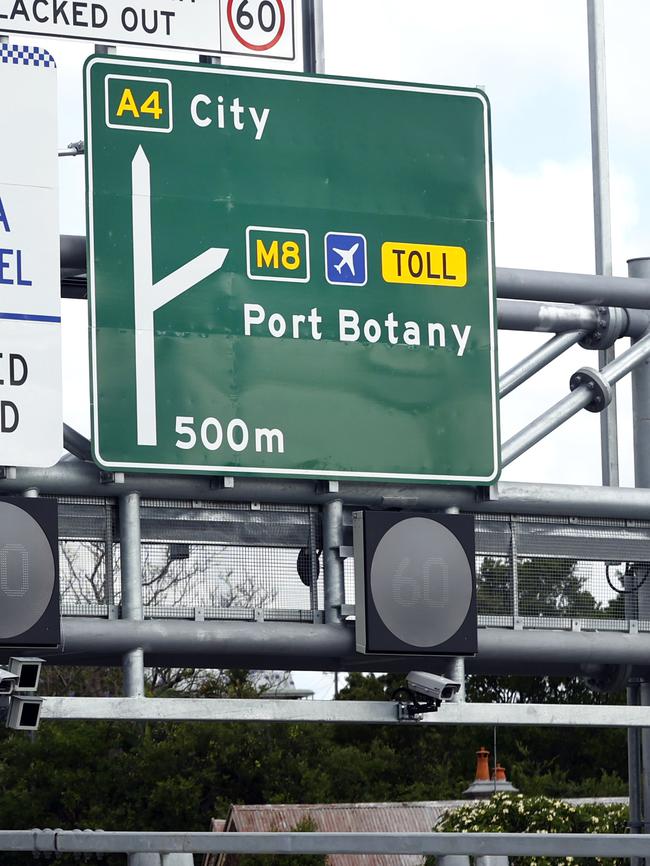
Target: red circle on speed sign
(245, 42)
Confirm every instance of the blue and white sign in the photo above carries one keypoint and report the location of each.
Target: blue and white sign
(31, 422)
(346, 259)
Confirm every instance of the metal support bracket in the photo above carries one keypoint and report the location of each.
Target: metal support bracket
(222, 482)
(111, 477)
(327, 487)
(405, 713)
(346, 552)
(597, 384)
(398, 501)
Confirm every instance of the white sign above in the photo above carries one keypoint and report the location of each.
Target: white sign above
(31, 422)
(260, 28)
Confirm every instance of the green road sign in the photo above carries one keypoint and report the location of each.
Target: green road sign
(289, 275)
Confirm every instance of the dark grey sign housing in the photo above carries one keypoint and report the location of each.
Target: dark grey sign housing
(415, 584)
(29, 573)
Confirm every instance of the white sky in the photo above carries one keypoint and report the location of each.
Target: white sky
(531, 57)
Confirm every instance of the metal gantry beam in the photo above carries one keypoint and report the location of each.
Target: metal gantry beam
(316, 646)
(477, 844)
(72, 477)
(515, 283)
(340, 712)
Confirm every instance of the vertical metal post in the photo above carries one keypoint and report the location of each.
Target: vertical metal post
(130, 546)
(319, 37)
(456, 671)
(641, 398)
(602, 217)
(640, 786)
(456, 666)
(333, 576)
(514, 571)
(634, 770)
(308, 36)
(109, 573)
(313, 548)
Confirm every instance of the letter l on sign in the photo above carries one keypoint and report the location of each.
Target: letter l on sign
(149, 296)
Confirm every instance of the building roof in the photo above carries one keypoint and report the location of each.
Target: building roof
(343, 818)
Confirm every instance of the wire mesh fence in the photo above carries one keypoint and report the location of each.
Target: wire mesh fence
(208, 560)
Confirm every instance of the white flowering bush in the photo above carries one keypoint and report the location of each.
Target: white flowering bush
(514, 813)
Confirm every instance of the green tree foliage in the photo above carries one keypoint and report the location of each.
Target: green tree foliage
(548, 586)
(507, 813)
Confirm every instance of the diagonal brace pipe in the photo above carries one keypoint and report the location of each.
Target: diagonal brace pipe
(570, 405)
(537, 360)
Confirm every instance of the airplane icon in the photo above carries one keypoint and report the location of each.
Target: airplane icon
(347, 257)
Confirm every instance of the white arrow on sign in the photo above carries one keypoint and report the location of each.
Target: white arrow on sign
(149, 296)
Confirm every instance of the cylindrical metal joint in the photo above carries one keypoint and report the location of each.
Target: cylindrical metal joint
(333, 574)
(597, 384)
(612, 323)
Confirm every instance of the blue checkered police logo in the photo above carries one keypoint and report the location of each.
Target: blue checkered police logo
(24, 55)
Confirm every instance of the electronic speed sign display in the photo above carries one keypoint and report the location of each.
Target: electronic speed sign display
(29, 573)
(415, 584)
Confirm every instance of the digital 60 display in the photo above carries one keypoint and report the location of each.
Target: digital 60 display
(29, 573)
(415, 583)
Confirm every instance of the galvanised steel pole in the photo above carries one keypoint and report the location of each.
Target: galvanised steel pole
(602, 217)
(312, 36)
(333, 576)
(640, 268)
(308, 36)
(130, 550)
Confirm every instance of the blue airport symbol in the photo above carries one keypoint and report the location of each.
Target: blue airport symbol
(346, 259)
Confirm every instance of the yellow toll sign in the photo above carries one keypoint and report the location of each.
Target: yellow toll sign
(423, 264)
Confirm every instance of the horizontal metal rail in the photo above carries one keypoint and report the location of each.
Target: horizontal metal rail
(523, 284)
(134, 842)
(348, 712)
(514, 283)
(71, 477)
(545, 317)
(311, 646)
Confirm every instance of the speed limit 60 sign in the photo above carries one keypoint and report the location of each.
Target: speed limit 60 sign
(258, 27)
